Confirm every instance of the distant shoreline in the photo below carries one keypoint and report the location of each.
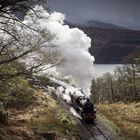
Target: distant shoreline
(101, 69)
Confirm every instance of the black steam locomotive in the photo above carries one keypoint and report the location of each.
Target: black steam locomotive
(84, 107)
(81, 104)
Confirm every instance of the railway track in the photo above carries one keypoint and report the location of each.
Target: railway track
(106, 138)
(95, 131)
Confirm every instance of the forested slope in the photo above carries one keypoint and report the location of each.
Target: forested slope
(112, 46)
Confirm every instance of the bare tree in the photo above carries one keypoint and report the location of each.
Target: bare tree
(20, 42)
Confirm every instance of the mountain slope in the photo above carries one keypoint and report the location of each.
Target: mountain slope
(98, 24)
(112, 46)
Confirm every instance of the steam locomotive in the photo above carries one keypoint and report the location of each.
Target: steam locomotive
(81, 104)
(84, 107)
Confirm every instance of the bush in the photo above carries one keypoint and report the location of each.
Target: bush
(22, 97)
(16, 93)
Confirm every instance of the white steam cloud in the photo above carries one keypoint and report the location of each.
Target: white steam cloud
(73, 45)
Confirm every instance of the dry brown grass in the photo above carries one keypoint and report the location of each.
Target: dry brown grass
(125, 116)
(44, 116)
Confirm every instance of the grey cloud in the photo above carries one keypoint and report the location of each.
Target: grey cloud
(120, 12)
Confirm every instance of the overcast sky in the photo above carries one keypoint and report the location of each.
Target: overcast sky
(120, 12)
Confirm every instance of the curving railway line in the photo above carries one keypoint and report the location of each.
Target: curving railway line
(95, 131)
(91, 131)
(88, 131)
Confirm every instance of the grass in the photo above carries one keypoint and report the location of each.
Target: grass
(125, 116)
(45, 116)
(138, 82)
(54, 119)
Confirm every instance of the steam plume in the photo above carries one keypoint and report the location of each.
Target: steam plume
(73, 45)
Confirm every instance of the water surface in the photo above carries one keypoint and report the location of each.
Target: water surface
(100, 69)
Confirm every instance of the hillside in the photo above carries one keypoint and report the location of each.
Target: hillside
(112, 46)
(104, 25)
(45, 119)
(126, 120)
